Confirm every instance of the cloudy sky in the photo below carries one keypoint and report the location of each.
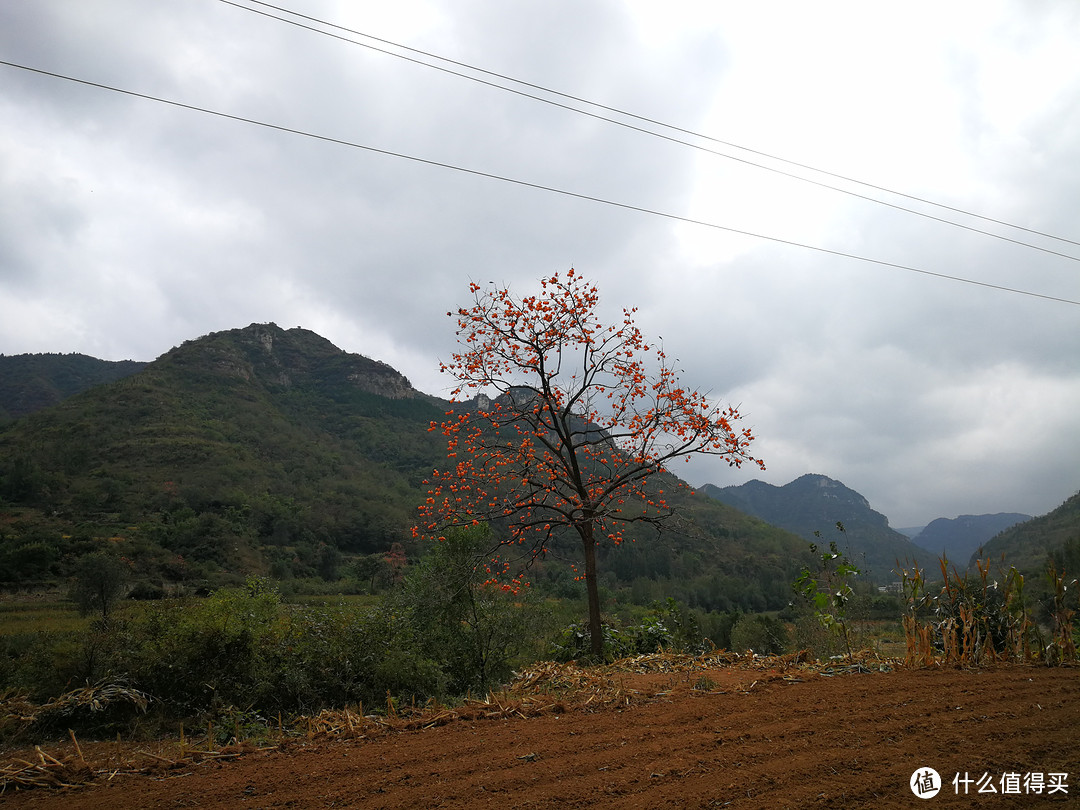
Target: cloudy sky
(128, 225)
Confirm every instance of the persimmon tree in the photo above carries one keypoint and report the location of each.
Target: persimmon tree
(574, 420)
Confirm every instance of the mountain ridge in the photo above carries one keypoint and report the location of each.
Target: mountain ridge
(812, 505)
(269, 451)
(1030, 544)
(31, 382)
(307, 385)
(960, 537)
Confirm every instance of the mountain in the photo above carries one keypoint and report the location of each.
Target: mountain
(271, 451)
(30, 382)
(815, 503)
(1029, 545)
(242, 449)
(911, 532)
(959, 538)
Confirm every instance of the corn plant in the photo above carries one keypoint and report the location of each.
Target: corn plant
(1062, 646)
(975, 620)
(917, 631)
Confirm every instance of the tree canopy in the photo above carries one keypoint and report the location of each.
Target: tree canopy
(574, 419)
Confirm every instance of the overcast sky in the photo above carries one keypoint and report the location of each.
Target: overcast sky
(128, 226)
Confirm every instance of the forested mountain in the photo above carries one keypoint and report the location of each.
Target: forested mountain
(959, 538)
(1029, 545)
(271, 451)
(237, 438)
(815, 503)
(31, 382)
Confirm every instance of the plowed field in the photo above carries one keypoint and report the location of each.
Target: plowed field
(725, 737)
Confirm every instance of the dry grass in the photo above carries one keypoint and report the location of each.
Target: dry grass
(18, 713)
(546, 688)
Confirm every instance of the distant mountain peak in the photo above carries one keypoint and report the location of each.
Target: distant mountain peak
(266, 353)
(821, 480)
(815, 503)
(829, 488)
(963, 536)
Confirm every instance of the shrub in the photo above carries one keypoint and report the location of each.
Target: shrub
(667, 626)
(762, 634)
(473, 629)
(828, 590)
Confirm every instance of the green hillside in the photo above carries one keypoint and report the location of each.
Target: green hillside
(1030, 544)
(31, 382)
(270, 451)
(237, 451)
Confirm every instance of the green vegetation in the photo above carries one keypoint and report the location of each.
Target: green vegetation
(31, 382)
(828, 589)
(40, 615)
(474, 630)
(256, 489)
(244, 653)
(244, 648)
(665, 626)
(1029, 544)
(992, 616)
(761, 634)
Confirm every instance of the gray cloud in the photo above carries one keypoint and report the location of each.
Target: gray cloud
(129, 226)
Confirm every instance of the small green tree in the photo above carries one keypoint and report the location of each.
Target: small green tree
(828, 590)
(760, 633)
(372, 569)
(473, 629)
(99, 581)
(327, 560)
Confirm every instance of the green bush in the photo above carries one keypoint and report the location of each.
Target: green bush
(42, 664)
(760, 633)
(715, 628)
(574, 643)
(243, 653)
(199, 654)
(667, 626)
(475, 631)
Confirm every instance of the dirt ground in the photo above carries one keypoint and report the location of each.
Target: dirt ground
(725, 737)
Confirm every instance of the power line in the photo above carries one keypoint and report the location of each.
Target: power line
(666, 126)
(551, 189)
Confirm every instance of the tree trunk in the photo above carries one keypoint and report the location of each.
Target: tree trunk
(596, 630)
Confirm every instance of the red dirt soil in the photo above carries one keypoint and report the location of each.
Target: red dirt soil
(741, 739)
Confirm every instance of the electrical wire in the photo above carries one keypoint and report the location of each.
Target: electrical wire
(551, 189)
(666, 126)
